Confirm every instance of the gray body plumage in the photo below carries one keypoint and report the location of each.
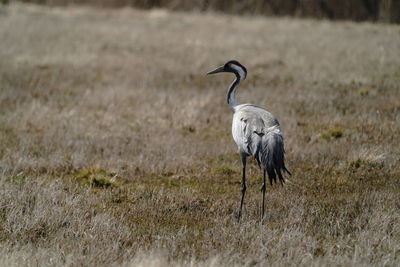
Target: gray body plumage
(256, 132)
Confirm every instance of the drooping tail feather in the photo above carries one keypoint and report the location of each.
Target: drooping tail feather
(271, 156)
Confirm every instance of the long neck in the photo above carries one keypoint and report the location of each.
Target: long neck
(232, 93)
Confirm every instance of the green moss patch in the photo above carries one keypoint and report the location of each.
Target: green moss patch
(333, 133)
(95, 177)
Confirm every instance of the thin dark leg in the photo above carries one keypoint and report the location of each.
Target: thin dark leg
(243, 185)
(263, 195)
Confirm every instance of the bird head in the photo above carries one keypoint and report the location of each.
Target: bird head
(232, 66)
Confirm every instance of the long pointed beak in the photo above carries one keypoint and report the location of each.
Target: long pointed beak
(219, 69)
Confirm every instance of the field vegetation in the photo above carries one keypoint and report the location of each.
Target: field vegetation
(115, 148)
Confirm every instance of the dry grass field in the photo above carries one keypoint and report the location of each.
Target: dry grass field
(115, 148)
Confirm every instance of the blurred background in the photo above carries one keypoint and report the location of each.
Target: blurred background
(358, 10)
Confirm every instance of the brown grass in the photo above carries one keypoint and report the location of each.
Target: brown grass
(115, 148)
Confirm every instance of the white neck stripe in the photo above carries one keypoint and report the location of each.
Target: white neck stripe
(240, 71)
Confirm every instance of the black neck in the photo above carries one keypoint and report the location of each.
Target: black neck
(231, 98)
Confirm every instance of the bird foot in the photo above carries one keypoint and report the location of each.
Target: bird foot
(237, 215)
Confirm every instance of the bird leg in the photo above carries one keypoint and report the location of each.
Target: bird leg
(263, 196)
(243, 185)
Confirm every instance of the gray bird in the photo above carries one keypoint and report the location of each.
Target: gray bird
(256, 133)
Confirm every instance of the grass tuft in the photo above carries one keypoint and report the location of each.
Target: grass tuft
(363, 92)
(334, 133)
(188, 130)
(226, 170)
(362, 163)
(357, 163)
(93, 176)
